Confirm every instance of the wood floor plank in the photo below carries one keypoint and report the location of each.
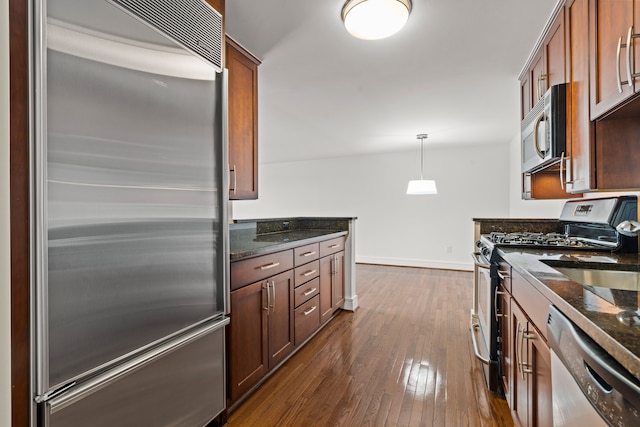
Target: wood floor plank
(404, 358)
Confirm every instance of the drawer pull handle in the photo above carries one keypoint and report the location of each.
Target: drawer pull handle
(310, 291)
(334, 246)
(268, 266)
(309, 253)
(309, 273)
(311, 310)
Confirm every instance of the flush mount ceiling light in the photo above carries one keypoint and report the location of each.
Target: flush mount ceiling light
(375, 19)
(422, 186)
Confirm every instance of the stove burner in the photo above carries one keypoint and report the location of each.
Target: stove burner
(539, 239)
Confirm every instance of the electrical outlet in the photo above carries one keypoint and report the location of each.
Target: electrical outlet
(449, 249)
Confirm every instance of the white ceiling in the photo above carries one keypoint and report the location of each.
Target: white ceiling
(451, 72)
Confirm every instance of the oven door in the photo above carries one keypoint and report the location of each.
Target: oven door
(484, 329)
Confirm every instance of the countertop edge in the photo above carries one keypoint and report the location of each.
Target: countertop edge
(277, 247)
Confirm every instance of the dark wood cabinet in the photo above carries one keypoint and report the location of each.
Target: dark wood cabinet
(217, 5)
(525, 356)
(248, 361)
(547, 66)
(615, 53)
(276, 306)
(243, 121)
(331, 277)
(580, 164)
(505, 328)
(280, 317)
(602, 110)
(520, 398)
(603, 153)
(532, 404)
(261, 333)
(337, 287)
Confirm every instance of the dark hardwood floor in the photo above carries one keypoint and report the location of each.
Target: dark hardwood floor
(404, 358)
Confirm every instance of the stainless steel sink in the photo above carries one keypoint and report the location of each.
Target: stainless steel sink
(612, 279)
(616, 286)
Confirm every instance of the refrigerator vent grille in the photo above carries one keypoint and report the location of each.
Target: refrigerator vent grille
(192, 23)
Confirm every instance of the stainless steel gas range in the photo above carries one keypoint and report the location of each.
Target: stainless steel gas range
(589, 225)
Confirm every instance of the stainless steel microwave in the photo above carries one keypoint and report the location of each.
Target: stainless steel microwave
(543, 131)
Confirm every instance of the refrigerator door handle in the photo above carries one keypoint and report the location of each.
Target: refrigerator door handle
(60, 401)
(225, 191)
(53, 393)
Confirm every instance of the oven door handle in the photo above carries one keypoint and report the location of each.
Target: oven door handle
(475, 324)
(478, 262)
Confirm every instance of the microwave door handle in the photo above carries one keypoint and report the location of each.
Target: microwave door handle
(561, 166)
(539, 120)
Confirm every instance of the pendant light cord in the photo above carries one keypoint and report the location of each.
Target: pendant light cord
(421, 137)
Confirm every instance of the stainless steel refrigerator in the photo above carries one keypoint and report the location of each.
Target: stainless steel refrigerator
(129, 222)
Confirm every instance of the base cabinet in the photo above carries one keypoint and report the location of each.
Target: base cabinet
(261, 330)
(504, 327)
(532, 405)
(331, 285)
(525, 357)
(273, 316)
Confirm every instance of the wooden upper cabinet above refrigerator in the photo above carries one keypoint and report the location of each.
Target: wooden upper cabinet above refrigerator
(615, 53)
(243, 122)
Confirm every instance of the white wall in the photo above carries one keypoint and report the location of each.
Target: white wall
(5, 279)
(393, 228)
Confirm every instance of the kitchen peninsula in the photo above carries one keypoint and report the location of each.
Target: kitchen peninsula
(289, 277)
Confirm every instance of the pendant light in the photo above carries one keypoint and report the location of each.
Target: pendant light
(375, 19)
(422, 186)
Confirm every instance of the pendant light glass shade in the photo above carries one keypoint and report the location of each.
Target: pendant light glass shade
(422, 186)
(375, 19)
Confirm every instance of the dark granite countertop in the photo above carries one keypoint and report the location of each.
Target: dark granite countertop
(594, 314)
(249, 238)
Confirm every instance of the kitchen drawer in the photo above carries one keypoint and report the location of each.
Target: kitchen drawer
(307, 319)
(306, 272)
(332, 246)
(532, 302)
(306, 253)
(246, 271)
(303, 293)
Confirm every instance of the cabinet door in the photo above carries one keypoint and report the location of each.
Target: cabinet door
(506, 353)
(520, 399)
(243, 122)
(217, 5)
(337, 285)
(525, 95)
(610, 23)
(555, 53)
(538, 77)
(280, 314)
(580, 173)
(532, 405)
(248, 351)
(540, 402)
(326, 288)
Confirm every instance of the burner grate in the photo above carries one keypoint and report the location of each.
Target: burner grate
(556, 240)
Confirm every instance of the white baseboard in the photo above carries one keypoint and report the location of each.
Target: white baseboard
(402, 262)
(351, 303)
